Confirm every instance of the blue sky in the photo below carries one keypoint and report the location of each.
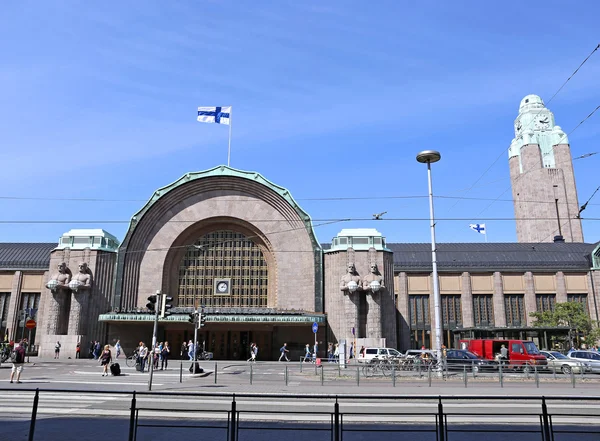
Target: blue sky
(331, 100)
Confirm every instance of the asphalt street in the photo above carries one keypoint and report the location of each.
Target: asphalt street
(86, 414)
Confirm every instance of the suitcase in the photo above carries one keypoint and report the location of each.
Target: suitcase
(115, 369)
(199, 370)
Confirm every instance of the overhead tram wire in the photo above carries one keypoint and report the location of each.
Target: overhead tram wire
(533, 119)
(333, 220)
(566, 135)
(325, 199)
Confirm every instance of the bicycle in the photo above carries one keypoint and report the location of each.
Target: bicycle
(132, 360)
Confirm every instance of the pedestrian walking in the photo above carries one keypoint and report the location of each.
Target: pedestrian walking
(255, 352)
(105, 359)
(284, 351)
(336, 353)
(252, 354)
(142, 355)
(57, 350)
(191, 350)
(78, 350)
(117, 349)
(156, 356)
(307, 356)
(183, 350)
(18, 359)
(164, 356)
(97, 349)
(330, 352)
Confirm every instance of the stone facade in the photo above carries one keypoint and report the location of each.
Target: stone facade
(542, 177)
(72, 317)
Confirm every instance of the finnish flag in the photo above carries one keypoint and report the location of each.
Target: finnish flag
(480, 228)
(219, 115)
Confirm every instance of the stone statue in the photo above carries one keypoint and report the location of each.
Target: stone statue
(83, 279)
(350, 281)
(61, 279)
(374, 280)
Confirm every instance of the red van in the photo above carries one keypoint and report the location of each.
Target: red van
(522, 354)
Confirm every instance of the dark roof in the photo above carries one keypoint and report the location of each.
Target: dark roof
(493, 256)
(455, 257)
(17, 256)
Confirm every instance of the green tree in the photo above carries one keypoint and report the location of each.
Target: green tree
(569, 314)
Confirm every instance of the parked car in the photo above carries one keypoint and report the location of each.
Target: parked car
(371, 353)
(419, 353)
(558, 362)
(591, 357)
(459, 359)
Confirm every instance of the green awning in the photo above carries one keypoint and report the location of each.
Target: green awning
(217, 318)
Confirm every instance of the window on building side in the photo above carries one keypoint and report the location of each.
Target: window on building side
(514, 305)
(419, 310)
(483, 310)
(451, 311)
(545, 302)
(28, 300)
(225, 254)
(579, 298)
(4, 302)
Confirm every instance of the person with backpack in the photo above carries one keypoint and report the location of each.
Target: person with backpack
(284, 350)
(17, 357)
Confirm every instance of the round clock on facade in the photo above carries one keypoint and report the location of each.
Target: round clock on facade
(222, 287)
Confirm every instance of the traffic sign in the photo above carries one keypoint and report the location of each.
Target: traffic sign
(315, 327)
(30, 324)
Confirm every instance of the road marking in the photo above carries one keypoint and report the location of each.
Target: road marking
(92, 382)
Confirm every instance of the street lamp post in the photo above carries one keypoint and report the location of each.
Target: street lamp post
(428, 157)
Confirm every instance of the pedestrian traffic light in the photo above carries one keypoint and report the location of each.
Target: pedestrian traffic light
(192, 318)
(202, 320)
(165, 305)
(151, 305)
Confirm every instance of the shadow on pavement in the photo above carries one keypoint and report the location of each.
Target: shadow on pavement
(72, 428)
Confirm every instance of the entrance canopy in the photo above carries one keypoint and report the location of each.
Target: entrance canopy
(222, 315)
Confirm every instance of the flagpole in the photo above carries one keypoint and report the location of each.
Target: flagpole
(229, 147)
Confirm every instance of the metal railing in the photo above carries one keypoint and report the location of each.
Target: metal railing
(436, 417)
(380, 371)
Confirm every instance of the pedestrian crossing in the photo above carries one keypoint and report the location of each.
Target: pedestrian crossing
(18, 404)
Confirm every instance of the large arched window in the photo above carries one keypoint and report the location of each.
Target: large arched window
(223, 255)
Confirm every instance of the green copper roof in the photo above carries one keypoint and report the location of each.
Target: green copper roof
(596, 258)
(220, 171)
(536, 125)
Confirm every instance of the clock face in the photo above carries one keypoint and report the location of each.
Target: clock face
(222, 287)
(544, 122)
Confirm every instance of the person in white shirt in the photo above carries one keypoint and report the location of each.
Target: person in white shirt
(191, 349)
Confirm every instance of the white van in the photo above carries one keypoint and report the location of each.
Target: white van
(371, 353)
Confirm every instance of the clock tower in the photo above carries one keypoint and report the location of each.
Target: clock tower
(542, 178)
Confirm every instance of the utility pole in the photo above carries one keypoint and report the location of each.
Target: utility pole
(196, 324)
(153, 300)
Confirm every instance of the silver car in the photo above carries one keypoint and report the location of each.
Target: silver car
(591, 357)
(558, 362)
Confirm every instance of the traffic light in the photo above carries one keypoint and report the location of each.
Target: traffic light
(192, 318)
(151, 305)
(165, 305)
(202, 320)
